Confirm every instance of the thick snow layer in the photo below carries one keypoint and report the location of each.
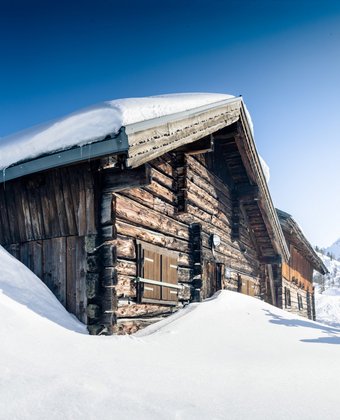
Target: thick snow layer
(95, 123)
(230, 357)
(265, 168)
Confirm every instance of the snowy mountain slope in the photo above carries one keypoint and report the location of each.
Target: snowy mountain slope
(327, 296)
(334, 249)
(230, 357)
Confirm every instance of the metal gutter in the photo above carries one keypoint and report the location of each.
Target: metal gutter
(117, 144)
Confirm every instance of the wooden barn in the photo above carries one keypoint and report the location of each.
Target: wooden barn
(295, 290)
(131, 227)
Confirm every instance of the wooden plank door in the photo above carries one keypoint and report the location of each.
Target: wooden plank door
(213, 277)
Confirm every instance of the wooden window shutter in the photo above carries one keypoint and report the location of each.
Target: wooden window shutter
(152, 271)
(169, 275)
(156, 264)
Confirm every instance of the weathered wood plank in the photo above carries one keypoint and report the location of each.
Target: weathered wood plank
(126, 286)
(6, 234)
(138, 214)
(71, 274)
(145, 310)
(126, 268)
(57, 191)
(69, 205)
(107, 209)
(33, 185)
(54, 267)
(117, 180)
(81, 210)
(90, 202)
(152, 237)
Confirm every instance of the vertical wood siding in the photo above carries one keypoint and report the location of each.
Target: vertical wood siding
(45, 220)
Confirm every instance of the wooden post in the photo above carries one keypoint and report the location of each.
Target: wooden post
(195, 235)
(271, 282)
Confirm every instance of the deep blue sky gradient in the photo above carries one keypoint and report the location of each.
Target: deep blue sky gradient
(283, 56)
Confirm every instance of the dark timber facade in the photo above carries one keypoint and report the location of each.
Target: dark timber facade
(130, 236)
(296, 275)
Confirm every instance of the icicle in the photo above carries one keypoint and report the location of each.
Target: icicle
(81, 151)
(4, 177)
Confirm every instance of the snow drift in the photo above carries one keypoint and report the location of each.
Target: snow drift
(230, 357)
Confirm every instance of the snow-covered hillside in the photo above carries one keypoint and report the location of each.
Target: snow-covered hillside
(334, 249)
(327, 297)
(231, 357)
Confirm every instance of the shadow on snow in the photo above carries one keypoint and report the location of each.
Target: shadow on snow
(331, 334)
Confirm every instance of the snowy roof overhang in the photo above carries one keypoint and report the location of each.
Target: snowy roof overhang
(119, 126)
(145, 140)
(295, 235)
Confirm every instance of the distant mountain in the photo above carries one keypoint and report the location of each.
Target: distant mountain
(334, 249)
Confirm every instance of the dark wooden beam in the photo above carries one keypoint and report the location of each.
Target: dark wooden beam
(115, 180)
(277, 259)
(204, 145)
(247, 192)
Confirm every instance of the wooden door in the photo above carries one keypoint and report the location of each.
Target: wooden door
(247, 287)
(213, 278)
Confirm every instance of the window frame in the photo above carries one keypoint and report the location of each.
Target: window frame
(152, 287)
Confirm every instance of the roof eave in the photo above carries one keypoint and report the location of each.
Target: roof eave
(266, 204)
(117, 143)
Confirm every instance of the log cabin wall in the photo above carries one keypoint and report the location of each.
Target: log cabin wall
(48, 221)
(85, 242)
(297, 285)
(184, 194)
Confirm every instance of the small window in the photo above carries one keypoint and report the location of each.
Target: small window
(157, 266)
(287, 298)
(300, 303)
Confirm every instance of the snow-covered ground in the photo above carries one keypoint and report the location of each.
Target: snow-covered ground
(327, 296)
(231, 357)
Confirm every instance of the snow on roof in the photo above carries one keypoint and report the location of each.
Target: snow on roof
(265, 168)
(95, 123)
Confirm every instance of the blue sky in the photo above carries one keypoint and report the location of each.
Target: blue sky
(283, 56)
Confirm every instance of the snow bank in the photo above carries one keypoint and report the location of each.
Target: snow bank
(95, 123)
(23, 292)
(231, 357)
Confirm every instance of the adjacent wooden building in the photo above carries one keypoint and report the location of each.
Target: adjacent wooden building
(295, 291)
(130, 228)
